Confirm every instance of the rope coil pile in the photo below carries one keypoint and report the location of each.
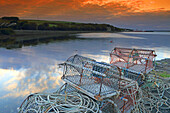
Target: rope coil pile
(156, 95)
(59, 103)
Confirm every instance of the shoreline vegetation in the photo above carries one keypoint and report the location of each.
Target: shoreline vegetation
(15, 33)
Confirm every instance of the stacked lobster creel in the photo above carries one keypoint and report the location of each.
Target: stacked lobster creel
(85, 74)
(130, 97)
(99, 80)
(136, 64)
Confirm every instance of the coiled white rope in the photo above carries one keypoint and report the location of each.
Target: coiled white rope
(56, 103)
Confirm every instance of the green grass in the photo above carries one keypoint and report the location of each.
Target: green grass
(45, 21)
(164, 74)
(39, 21)
(59, 25)
(52, 25)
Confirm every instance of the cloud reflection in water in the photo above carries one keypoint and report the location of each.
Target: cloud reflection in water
(22, 82)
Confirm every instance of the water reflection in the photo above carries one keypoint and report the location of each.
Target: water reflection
(25, 81)
(17, 84)
(107, 35)
(34, 68)
(28, 40)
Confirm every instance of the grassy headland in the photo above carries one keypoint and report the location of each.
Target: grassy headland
(15, 31)
(17, 24)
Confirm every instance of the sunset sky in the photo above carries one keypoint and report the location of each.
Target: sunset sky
(135, 14)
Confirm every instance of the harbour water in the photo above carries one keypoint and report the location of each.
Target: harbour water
(32, 69)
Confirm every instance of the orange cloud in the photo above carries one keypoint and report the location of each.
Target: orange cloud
(82, 10)
(138, 5)
(26, 8)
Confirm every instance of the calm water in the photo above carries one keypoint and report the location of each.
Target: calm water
(34, 69)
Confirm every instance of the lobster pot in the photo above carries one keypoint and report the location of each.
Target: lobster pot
(96, 79)
(136, 77)
(136, 60)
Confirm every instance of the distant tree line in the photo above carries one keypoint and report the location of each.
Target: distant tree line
(24, 25)
(27, 25)
(10, 18)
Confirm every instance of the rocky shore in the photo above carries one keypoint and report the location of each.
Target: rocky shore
(163, 65)
(162, 69)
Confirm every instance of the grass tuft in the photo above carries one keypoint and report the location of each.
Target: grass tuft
(164, 74)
